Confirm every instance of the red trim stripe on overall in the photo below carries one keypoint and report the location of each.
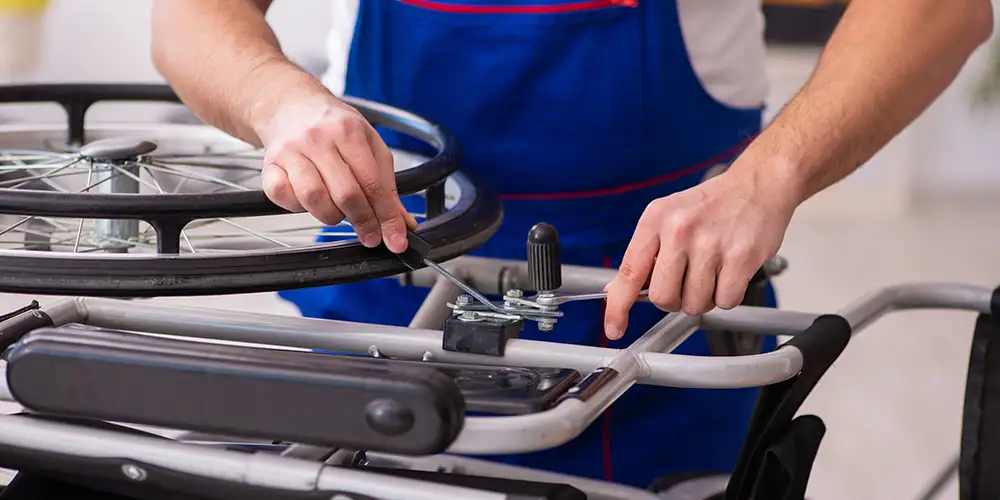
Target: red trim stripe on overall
(663, 179)
(460, 8)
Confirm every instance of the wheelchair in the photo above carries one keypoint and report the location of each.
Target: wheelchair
(114, 396)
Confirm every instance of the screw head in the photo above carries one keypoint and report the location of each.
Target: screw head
(428, 356)
(546, 325)
(134, 472)
(468, 316)
(515, 294)
(463, 300)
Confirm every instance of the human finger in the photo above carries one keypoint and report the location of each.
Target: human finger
(632, 274)
(699, 279)
(738, 268)
(278, 188)
(310, 190)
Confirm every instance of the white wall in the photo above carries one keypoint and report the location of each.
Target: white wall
(108, 40)
(960, 143)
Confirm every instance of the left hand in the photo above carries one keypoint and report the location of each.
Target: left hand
(699, 248)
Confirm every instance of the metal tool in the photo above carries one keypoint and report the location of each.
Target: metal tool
(544, 268)
(512, 307)
(545, 275)
(557, 299)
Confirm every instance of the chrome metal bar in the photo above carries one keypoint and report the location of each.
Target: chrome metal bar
(258, 470)
(61, 312)
(759, 320)
(594, 489)
(310, 333)
(869, 308)
(554, 427)
(676, 370)
(307, 452)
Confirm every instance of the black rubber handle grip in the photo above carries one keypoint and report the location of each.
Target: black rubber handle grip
(544, 258)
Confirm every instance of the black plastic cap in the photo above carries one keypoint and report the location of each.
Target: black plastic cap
(544, 258)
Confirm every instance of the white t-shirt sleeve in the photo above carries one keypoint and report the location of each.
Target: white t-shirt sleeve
(725, 43)
(338, 43)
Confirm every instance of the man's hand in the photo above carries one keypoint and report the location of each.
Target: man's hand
(225, 63)
(699, 248)
(323, 157)
(874, 77)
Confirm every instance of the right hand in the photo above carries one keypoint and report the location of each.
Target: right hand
(322, 156)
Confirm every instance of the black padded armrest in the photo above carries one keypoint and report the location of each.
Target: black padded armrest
(253, 392)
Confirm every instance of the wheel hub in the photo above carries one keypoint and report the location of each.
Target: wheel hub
(117, 149)
(114, 170)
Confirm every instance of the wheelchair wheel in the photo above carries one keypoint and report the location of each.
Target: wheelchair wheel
(154, 209)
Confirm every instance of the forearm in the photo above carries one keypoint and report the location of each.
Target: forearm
(225, 63)
(886, 62)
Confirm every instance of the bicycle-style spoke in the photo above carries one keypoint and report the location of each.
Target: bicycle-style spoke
(255, 233)
(122, 165)
(192, 175)
(46, 178)
(136, 178)
(249, 154)
(79, 230)
(219, 166)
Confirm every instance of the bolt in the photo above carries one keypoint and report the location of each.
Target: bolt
(463, 300)
(511, 297)
(134, 472)
(374, 352)
(469, 316)
(546, 325)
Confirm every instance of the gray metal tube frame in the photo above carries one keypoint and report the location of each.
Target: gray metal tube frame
(646, 361)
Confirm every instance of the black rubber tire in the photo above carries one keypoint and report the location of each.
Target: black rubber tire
(77, 98)
(458, 231)
(463, 228)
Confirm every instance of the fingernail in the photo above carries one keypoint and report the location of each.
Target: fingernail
(370, 240)
(613, 332)
(397, 242)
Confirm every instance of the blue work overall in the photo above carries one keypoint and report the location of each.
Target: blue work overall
(579, 113)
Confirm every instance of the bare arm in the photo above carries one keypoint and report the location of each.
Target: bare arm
(322, 156)
(224, 61)
(885, 64)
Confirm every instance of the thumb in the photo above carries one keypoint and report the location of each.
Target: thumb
(411, 222)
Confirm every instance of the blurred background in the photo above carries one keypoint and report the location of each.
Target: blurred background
(925, 209)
